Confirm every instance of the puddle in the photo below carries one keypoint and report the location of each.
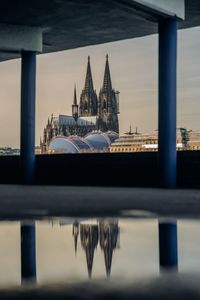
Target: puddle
(73, 250)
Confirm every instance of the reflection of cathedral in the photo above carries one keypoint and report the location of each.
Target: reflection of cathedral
(92, 112)
(89, 239)
(108, 239)
(75, 233)
(106, 233)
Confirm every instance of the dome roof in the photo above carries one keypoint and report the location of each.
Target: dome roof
(112, 136)
(98, 140)
(95, 140)
(63, 144)
(80, 143)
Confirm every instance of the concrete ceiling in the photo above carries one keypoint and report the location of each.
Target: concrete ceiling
(71, 24)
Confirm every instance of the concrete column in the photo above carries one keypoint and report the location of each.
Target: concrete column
(28, 252)
(168, 245)
(167, 102)
(27, 137)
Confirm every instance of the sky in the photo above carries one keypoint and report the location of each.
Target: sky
(133, 66)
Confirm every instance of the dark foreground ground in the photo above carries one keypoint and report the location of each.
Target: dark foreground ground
(169, 286)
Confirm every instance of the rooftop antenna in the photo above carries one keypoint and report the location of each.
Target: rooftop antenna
(130, 130)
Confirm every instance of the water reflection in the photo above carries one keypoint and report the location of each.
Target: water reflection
(109, 241)
(122, 248)
(75, 233)
(89, 239)
(28, 252)
(168, 249)
(105, 233)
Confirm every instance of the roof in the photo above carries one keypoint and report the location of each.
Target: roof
(82, 121)
(73, 24)
(63, 144)
(95, 141)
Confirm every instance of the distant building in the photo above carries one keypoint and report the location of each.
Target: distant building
(92, 112)
(140, 142)
(4, 151)
(193, 140)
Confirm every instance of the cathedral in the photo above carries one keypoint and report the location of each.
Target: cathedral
(91, 113)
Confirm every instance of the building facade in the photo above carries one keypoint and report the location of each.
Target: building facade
(144, 142)
(91, 113)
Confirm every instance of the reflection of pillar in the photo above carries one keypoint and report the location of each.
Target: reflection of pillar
(28, 252)
(168, 245)
(89, 240)
(108, 238)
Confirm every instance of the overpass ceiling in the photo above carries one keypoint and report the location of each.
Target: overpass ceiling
(71, 24)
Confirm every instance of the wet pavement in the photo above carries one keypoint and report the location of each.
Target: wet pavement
(18, 201)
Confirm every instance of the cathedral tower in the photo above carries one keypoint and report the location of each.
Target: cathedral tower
(108, 104)
(88, 98)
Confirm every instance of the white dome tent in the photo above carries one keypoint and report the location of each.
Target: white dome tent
(96, 141)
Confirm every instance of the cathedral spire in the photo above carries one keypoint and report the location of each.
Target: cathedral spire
(88, 79)
(88, 99)
(107, 84)
(75, 106)
(75, 98)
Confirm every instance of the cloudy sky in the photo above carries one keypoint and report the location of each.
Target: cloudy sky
(133, 65)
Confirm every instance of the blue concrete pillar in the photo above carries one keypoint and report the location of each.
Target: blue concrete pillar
(28, 252)
(168, 252)
(27, 134)
(167, 102)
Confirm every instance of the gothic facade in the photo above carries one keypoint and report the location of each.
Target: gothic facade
(92, 113)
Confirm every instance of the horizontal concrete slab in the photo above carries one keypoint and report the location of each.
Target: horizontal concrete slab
(15, 38)
(171, 8)
(72, 24)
